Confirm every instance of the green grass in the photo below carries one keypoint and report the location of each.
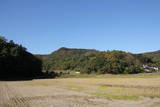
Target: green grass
(140, 75)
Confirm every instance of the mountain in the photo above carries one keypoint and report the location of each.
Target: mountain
(64, 58)
(155, 54)
(93, 61)
(71, 51)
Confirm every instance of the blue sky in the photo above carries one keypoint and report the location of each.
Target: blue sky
(43, 26)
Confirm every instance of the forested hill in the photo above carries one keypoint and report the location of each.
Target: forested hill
(63, 52)
(154, 54)
(72, 51)
(92, 61)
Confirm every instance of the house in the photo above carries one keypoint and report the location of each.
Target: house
(77, 72)
(150, 68)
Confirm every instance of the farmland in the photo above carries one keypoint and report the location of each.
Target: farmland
(140, 90)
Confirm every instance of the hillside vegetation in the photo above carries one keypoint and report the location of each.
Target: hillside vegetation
(93, 61)
(16, 62)
(154, 54)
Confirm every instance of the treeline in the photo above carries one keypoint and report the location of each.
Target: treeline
(92, 61)
(16, 62)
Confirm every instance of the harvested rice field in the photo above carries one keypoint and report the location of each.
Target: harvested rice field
(140, 90)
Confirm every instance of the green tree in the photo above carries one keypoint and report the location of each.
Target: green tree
(15, 61)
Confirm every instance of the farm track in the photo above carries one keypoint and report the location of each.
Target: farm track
(29, 94)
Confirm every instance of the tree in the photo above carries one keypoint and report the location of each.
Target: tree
(15, 61)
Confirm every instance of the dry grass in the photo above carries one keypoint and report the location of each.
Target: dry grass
(142, 90)
(112, 88)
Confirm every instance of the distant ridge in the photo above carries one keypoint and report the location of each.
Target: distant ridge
(153, 54)
(72, 51)
(79, 51)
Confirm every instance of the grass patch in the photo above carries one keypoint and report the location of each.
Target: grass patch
(79, 76)
(75, 87)
(140, 75)
(107, 96)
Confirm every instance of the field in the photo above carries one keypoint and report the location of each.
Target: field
(138, 90)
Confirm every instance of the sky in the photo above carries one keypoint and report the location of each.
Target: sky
(43, 26)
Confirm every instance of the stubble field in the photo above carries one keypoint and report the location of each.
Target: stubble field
(140, 90)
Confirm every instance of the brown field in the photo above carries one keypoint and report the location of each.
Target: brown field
(141, 90)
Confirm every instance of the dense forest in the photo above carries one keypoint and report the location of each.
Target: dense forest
(16, 62)
(100, 62)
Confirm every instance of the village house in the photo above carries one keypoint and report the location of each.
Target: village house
(150, 68)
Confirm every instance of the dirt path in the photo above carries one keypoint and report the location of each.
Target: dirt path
(23, 94)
